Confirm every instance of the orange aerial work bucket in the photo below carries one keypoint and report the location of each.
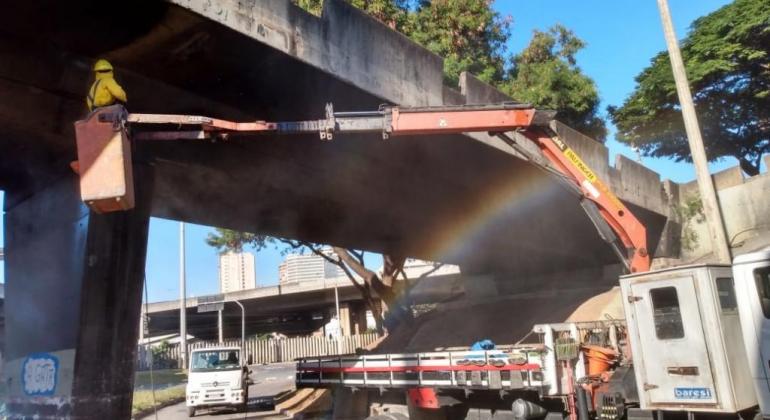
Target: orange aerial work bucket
(599, 359)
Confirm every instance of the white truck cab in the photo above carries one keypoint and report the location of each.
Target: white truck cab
(217, 377)
(752, 287)
(700, 335)
(686, 340)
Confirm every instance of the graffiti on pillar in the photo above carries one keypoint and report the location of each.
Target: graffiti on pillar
(39, 374)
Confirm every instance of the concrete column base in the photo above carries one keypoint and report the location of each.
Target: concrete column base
(349, 405)
(74, 291)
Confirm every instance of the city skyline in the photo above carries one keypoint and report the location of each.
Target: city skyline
(308, 267)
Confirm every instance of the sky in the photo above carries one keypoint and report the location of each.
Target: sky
(621, 36)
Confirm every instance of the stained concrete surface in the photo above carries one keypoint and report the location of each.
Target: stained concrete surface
(449, 198)
(504, 320)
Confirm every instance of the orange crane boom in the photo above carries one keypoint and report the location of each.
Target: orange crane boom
(107, 184)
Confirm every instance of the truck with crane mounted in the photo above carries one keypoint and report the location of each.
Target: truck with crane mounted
(695, 339)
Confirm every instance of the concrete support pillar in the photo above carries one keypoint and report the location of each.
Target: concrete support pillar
(142, 322)
(350, 405)
(360, 320)
(219, 326)
(73, 287)
(345, 319)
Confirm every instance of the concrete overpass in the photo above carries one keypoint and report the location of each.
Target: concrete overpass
(296, 309)
(74, 278)
(292, 309)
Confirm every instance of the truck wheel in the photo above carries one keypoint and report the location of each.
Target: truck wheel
(190, 411)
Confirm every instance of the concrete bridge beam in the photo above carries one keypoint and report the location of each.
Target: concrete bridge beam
(74, 280)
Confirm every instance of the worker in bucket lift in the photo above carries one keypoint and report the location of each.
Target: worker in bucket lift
(105, 91)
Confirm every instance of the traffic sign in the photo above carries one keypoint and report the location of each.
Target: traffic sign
(211, 303)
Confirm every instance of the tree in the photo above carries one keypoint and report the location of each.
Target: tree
(727, 57)
(468, 34)
(311, 6)
(391, 286)
(390, 12)
(546, 75)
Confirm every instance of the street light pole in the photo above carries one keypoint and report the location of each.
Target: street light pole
(182, 298)
(719, 244)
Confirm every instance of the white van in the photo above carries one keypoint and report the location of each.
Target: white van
(217, 378)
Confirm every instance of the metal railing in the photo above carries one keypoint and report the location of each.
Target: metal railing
(494, 369)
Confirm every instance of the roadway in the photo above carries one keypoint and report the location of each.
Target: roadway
(269, 381)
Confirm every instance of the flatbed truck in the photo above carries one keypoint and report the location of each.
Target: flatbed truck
(695, 339)
(692, 344)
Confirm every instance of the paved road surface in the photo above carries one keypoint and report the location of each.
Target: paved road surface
(269, 380)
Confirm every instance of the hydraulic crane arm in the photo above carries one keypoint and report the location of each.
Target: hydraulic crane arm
(614, 222)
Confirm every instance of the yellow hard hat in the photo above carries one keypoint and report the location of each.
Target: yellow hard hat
(102, 65)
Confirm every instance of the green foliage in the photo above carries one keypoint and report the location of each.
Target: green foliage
(689, 212)
(727, 57)
(226, 240)
(311, 6)
(390, 12)
(471, 36)
(468, 34)
(546, 75)
(142, 402)
(160, 350)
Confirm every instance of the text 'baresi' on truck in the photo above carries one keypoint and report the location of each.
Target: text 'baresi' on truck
(696, 339)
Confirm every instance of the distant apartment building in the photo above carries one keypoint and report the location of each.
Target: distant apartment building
(237, 271)
(414, 268)
(297, 268)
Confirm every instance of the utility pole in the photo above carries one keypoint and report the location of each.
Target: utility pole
(719, 244)
(182, 298)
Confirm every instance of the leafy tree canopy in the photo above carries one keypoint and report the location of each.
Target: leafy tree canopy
(546, 75)
(727, 57)
(471, 36)
(468, 34)
(390, 12)
(226, 240)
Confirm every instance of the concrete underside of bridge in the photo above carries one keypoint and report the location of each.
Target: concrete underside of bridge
(74, 278)
(298, 314)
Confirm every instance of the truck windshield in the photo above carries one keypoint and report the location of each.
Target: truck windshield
(211, 360)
